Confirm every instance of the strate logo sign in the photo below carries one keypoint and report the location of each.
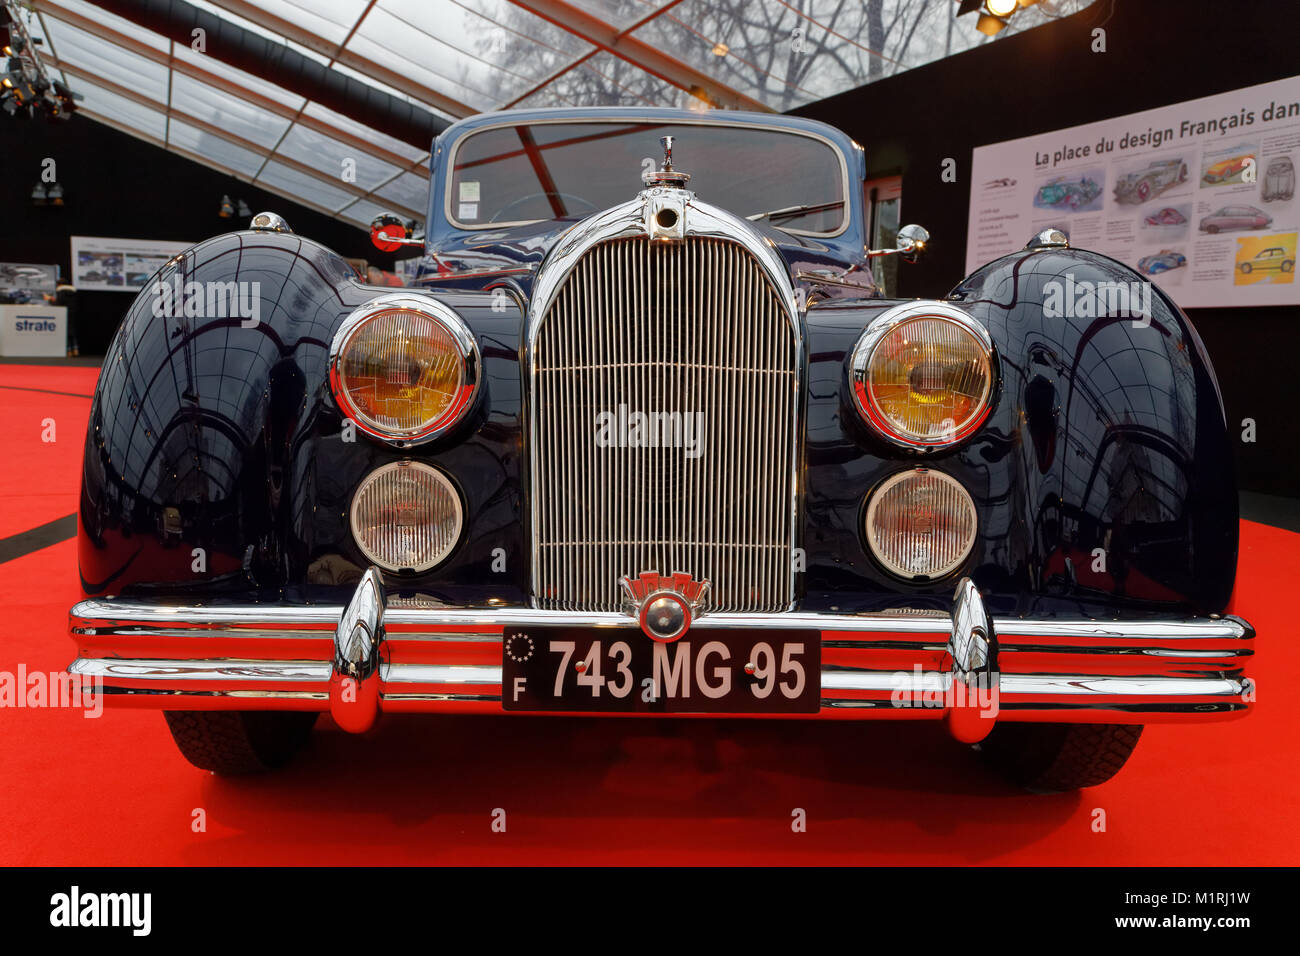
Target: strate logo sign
(34, 323)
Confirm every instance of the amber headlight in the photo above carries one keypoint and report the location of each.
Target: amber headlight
(921, 524)
(923, 375)
(404, 368)
(406, 516)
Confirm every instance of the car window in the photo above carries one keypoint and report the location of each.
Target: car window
(543, 171)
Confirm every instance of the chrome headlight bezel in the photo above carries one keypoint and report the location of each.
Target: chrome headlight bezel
(880, 552)
(424, 469)
(878, 331)
(462, 338)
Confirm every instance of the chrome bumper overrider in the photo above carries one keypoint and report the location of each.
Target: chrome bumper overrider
(380, 654)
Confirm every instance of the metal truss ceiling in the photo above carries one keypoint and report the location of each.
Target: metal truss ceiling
(460, 57)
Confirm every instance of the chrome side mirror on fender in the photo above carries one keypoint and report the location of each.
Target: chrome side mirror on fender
(909, 243)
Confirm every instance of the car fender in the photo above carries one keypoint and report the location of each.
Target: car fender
(216, 458)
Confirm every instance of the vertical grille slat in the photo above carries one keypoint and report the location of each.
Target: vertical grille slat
(693, 332)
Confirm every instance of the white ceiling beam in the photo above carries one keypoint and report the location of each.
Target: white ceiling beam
(336, 52)
(357, 192)
(52, 9)
(649, 58)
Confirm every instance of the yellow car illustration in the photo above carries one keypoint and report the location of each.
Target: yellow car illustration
(1225, 169)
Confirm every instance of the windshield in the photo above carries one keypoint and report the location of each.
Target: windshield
(543, 171)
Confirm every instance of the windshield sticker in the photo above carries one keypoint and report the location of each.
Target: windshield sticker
(467, 210)
(469, 191)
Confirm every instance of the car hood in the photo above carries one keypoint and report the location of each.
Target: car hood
(473, 259)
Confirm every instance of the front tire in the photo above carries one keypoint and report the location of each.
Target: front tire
(232, 742)
(1052, 758)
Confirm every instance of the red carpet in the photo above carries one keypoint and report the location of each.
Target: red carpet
(423, 790)
(39, 480)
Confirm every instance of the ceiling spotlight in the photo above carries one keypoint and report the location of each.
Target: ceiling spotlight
(55, 194)
(990, 25)
(242, 210)
(67, 99)
(38, 194)
(1001, 8)
(721, 49)
(226, 210)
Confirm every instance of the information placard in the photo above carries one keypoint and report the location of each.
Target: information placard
(118, 265)
(1199, 196)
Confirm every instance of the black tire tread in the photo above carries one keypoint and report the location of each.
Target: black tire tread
(1053, 758)
(231, 742)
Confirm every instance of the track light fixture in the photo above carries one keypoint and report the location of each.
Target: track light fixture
(25, 88)
(994, 15)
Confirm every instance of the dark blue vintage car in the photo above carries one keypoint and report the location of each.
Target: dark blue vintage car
(642, 445)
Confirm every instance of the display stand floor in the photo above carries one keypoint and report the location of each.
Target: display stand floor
(114, 790)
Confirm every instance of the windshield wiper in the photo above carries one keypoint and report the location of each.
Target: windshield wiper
(787, 212)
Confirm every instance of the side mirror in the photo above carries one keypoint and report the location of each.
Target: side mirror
(389, 233)
(910, 242)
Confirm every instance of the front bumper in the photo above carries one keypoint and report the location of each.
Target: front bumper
(378, 654)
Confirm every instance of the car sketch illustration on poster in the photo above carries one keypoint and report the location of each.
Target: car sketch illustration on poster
(23, 282)
(1173, 192)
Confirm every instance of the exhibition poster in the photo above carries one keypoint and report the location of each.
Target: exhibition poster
(22, 282)
(1199, 196)
(118, 265)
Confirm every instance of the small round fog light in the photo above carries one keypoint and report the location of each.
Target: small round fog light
(921, 524)
(406, 516)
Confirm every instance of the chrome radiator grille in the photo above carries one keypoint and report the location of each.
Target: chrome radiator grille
(664, 426)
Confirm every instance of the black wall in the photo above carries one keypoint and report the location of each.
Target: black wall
(117, 185)
(1158, 52)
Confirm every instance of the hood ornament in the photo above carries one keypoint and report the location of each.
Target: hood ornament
(665, 198)
(666, 175)
(665, 605)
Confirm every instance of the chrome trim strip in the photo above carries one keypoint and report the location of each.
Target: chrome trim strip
(1076, 685)
(1058, 685)
(440, 674)
(129, 616)
(632, 118)
(476, 273)
(1212, 628)
(190, 670)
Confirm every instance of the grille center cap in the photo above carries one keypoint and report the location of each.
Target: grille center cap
(664, 605)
